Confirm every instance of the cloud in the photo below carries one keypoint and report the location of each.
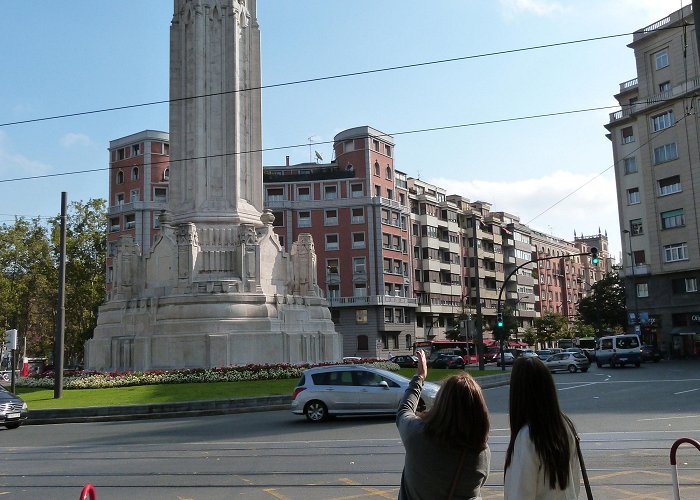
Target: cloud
(72, 139)
(17, 165)
(549, 203)
(513, 8)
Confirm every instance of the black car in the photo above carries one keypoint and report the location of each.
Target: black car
(405, 361)
(650, 353)
(13, 410)
(452, 361)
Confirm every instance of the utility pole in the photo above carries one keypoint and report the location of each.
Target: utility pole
(61, 309)
(479, 318)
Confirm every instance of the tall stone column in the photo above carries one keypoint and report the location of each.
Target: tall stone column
(215, 113)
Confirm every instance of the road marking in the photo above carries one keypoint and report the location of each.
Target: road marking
(689, 390)
(666, 418)
(577, 386)
(372, 492)
(273, 492)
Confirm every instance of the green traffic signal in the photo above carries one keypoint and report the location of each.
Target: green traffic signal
(594, 256)
(499, 320)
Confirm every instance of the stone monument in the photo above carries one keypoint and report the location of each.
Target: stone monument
(216, 288)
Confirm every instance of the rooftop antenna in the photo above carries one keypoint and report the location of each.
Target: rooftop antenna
(311, 140)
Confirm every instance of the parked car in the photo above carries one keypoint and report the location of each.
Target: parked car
(567, 360)
(405, 361)
(544, 353)
(452, 361)
(352, 390)
(618, 350)
(13, 410)
(590, 356)
(491, 355)
(508, 359)
(650, 353)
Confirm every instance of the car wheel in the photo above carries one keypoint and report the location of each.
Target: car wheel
(572, 368)
(316, 411)
(13, 425)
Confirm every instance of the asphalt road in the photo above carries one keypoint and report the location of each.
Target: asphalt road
(628, 419)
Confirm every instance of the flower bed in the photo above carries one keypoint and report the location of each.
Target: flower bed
(100, 380)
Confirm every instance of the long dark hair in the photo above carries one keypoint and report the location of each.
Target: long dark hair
(459, 418)
(534, 402)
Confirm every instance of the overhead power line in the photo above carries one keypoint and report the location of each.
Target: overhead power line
(325, 78)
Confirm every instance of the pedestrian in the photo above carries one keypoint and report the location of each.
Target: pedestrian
(447, 454)
(541, 459)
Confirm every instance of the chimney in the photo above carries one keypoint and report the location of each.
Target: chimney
(287, 160)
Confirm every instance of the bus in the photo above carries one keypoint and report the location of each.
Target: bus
(466, 349)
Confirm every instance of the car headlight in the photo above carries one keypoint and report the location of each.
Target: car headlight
(24, 406)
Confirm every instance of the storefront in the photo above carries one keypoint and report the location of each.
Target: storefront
(685, 342)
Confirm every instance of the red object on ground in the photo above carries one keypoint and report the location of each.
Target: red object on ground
(25, 367)
(88, 493)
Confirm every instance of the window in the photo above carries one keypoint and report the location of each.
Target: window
(356, 190)
(375, 144)
(670, 185)
(136, 150)
(275, 194)
(388, 150)
(120, 199)
(332, 242)
(330, 192)
(160, 194)
(376, 168)
(664, 87)
(120, 177)
(348, 146)
(633, 196)
(636, 227)
(114, 224)
(358, 215)
(377, 190)
(665, 153)
(642, 289)
(331, 217)
(362, 343)
(684, 285)
(112, 248)
(627, 135)
(135, 174)
(134, 195)
(358, 265)
(388, 172)
(303, 194)
(156, 221)
(638, 258)
(358, 240)
(663, 121)
(130, 221)
(360, 290)
(121, 154)
(630, 165)
(166, 174)
(304, 219)
(676, 252)
(278, 220)
(672, 218)
(661, 59)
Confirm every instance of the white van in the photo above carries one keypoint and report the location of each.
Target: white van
(618, 350)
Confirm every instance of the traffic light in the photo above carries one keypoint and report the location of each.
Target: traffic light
(594, 256)
(499, 320)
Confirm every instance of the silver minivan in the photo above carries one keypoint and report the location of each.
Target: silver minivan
(352, 390)
(618, 350)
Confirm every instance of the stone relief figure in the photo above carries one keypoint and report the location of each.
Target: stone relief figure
(304, 266)
(125, 266)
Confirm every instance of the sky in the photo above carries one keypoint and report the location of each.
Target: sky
(469, 124)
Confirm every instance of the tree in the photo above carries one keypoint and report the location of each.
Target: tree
(550, 327)
(86, 226)
(605, 308)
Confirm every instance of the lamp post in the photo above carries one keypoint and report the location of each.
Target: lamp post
(634, 278)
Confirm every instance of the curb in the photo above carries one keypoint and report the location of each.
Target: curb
(187, 409)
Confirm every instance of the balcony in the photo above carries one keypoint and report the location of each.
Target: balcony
(372, 300)
(639, 270)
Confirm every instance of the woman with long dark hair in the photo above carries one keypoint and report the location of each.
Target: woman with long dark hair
(541, 460)
(447, 455)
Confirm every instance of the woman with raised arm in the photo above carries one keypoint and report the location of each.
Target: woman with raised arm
(447, 455)
(541, 460)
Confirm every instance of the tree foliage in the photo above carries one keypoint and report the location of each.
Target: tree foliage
(29, 258)
(605, 308)
(548, 328)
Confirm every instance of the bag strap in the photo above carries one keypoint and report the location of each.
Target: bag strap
(584, 474)
(454, 481)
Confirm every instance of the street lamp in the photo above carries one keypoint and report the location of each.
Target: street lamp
(634, 277)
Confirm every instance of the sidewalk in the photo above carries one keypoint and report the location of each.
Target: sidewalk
(188, 409)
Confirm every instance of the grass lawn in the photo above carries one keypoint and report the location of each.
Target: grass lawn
(40, 399)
